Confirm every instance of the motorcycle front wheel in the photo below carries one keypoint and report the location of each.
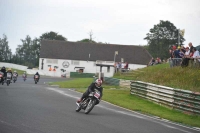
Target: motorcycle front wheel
(90, 106)
(8, 82)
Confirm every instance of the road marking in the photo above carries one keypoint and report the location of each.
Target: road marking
(126, 113)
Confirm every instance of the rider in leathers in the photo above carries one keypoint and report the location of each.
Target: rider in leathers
(3, 70)
(91, 88)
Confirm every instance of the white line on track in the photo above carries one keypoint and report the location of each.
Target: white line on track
(123, 112)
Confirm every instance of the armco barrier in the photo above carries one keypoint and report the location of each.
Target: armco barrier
(183, 100)
(111, 81)
(81, 75)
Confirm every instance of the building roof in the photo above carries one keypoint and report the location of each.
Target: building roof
(54, 49)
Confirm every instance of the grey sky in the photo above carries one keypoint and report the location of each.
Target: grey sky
(113, 21)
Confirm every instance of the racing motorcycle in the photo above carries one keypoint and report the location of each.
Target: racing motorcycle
(14, 77)
(88, 103)
(8, 78)
(1, 78)
(36, 79)
(24, 77)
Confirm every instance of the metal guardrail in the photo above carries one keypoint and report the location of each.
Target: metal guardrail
(111, 81)
(175, 62)
(182, 100)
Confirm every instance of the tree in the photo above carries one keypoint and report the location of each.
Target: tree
(5, 51)
(91, 39)
(87, 40)
(28, 52)
(160, 37)
(52, 36)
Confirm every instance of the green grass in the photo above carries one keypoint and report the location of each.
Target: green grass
(20, 72)
(176, 77)
(123, 98)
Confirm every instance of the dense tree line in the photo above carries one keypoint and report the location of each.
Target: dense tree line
(28, 52)
(5, 51)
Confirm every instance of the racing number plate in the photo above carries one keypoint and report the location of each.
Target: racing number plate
(97, 95)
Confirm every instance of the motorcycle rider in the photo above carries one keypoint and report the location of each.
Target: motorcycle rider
(25, 74)
(3, 70)
(10, 71)
(38, 76)
(91, 88)
(15, 72)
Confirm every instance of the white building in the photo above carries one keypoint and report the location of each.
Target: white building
(88, 57)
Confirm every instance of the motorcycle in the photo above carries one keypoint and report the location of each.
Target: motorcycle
(36, 78)
(24, 77)
(88, 103)
(14, 78)
(1, 78)
(8, 78)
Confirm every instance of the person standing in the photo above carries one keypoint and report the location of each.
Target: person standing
(191, 60)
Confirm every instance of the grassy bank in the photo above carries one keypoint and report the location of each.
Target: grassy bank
(124, 99)
(177, 77)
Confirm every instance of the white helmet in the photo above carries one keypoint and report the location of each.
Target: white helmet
(98, 83)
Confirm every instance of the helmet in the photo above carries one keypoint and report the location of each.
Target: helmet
(14, 71)
(98, 83)
(3, 67)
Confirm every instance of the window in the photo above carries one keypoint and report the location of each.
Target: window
(73, 62)
(52, 61)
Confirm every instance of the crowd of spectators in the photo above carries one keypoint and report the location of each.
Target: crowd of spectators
(155, 61)
(184, 56)
(121, 67)
(180, 56)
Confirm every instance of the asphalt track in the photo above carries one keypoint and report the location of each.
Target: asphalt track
(26, 107)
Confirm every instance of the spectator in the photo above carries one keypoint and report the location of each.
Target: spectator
(122, 65)
(115, 66)
(118, 66)
(186, 57)
(191, 60)
(152, 62)
(158, 61)
(126, 65)
(191, 49)
(196, 56)
(181, 53)
(183, 49)
(177, 60)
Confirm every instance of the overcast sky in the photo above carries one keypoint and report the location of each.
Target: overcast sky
(112, 21)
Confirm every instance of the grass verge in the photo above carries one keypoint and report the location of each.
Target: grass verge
(124, 99)
(20, 72)
(177, 77)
